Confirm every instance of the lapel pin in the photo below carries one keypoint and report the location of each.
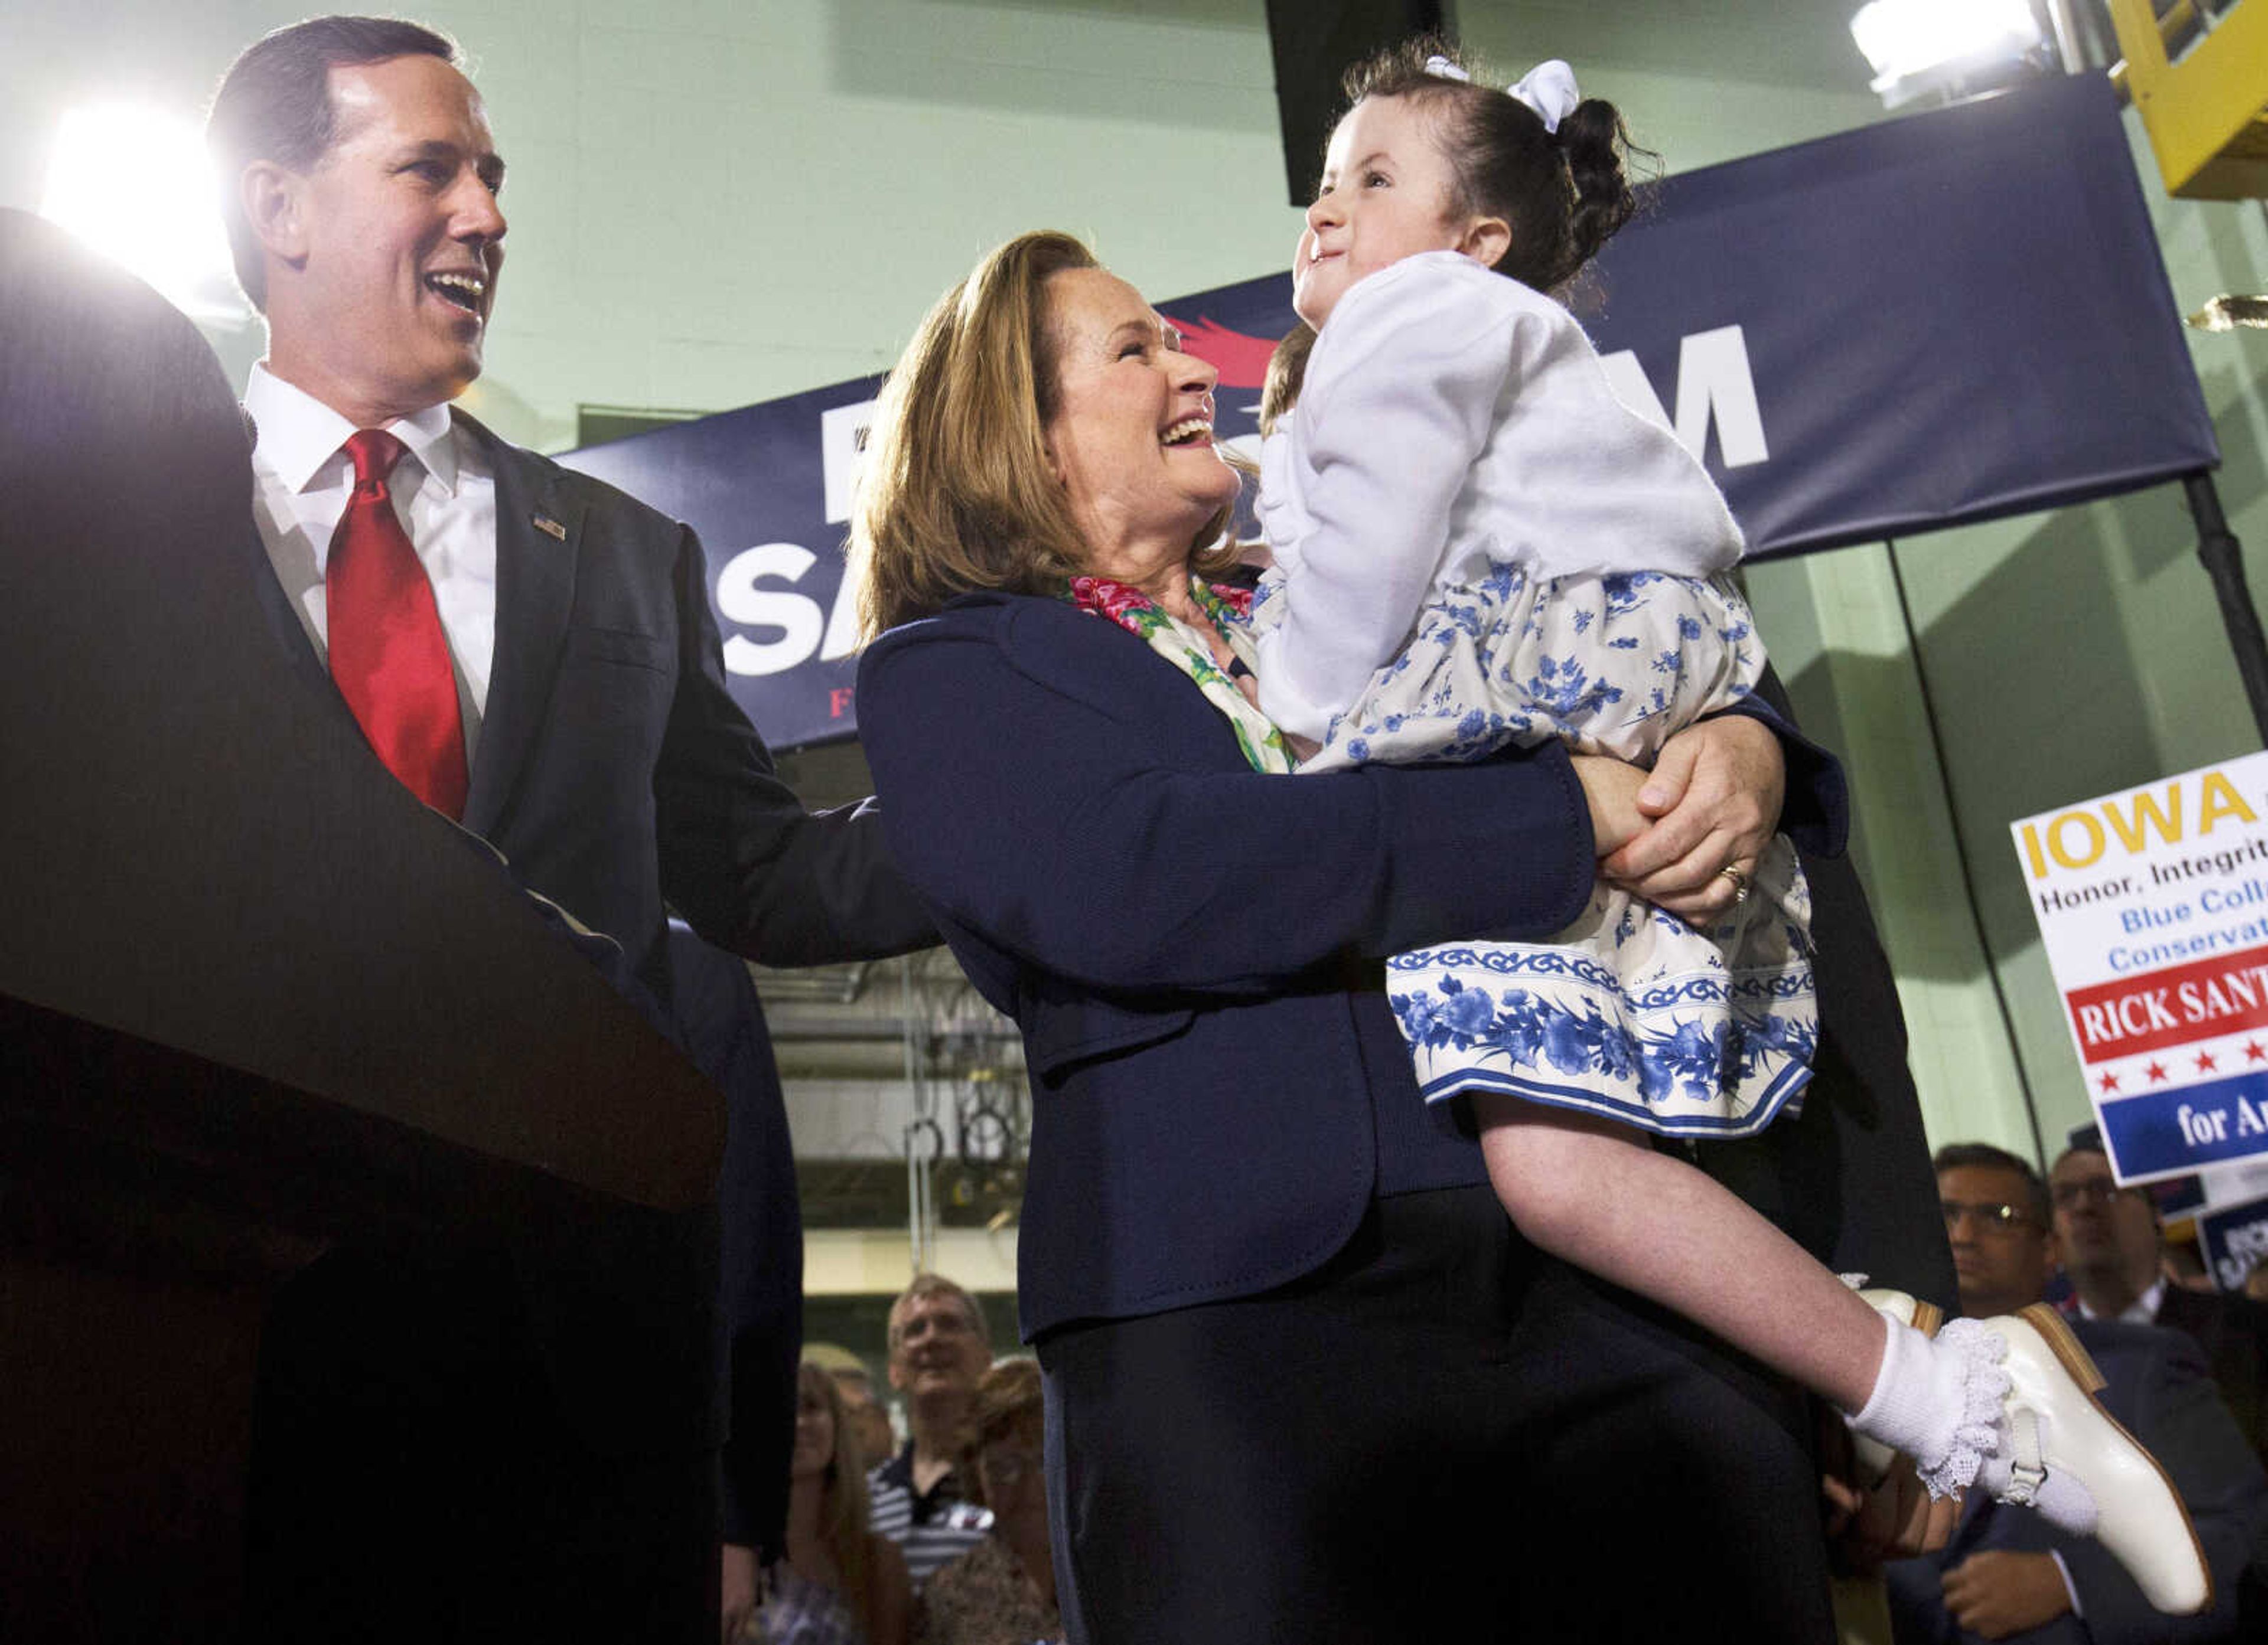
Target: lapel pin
(544, 523)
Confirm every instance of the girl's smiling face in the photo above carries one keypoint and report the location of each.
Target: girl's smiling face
(1387, 193)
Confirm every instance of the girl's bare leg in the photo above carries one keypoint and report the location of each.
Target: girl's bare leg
(1596, 1194)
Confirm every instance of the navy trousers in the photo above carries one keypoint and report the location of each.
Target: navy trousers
(1443, 1434)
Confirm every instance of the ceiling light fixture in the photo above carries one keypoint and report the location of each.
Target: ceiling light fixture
(1941, 47)
(133, 184)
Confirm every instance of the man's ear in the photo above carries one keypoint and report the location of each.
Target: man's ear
(1486, 241)
(274, 201)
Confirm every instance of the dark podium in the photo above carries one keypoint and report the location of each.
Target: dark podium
(254, 996)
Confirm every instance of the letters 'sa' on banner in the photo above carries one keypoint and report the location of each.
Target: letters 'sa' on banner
(1932, 320)
(2152, 905)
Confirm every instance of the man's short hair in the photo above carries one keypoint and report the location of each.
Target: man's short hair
(274, 104)
(925, 1285)
(1954, 1155)
(2103, 1154)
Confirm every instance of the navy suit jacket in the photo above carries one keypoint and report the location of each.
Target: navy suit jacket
(614, 771)
(2156, 1385)
(721, 1025)
(614, 768)
(1189, 947)
(2233, 1331)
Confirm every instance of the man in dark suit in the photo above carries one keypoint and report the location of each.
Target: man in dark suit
(527, 1441)
(721, 1025)
(2007, 1571)
(2111, 1243)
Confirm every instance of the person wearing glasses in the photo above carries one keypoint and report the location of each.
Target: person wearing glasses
(1003, 1590)
(2108, 1238)
(2006, 1571)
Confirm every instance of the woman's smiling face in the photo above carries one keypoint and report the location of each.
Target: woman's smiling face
(1130, 439)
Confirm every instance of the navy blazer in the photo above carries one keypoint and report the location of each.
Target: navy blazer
(613, 771)
(1188, 946)
(2233, 1331)
(2156, 1385)
(721, 1025)
(614, 768)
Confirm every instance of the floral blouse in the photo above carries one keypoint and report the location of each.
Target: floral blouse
(983, 1598)
(1231, 611)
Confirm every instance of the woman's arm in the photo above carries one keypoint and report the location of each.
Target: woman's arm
(1612, 789)
(890, 1593)
(1045, 783)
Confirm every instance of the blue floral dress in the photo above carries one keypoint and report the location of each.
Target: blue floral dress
(1478, 543)
(1630, 1012)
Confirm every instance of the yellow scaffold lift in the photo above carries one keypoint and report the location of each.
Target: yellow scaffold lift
(2207, 113)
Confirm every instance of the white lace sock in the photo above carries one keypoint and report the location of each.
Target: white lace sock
(1939, 1399)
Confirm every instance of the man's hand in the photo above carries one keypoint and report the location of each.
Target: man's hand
(1896, 1520)
(740, 1589)
(1715, 796)
(1997, 1593)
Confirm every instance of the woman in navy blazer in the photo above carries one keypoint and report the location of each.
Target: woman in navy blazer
(1305, 1382)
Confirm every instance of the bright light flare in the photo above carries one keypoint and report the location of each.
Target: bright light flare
(1919, 45)
(133, 183)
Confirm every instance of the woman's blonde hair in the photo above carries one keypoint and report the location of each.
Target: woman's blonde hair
(1007, 1396)
(843, 1508)
(957, 494)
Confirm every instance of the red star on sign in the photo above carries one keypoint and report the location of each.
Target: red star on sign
(2255, 1051)
(2109, 1081)
(2156, 1071)
(2206, 1064)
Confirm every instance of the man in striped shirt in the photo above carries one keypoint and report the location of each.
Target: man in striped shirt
(938, 1349)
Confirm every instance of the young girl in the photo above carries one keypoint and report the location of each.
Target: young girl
(1476, 544)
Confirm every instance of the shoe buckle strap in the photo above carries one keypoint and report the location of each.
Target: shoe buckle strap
(2027, 1464)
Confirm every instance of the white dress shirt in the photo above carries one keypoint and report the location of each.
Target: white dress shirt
(2143, 1310)
(442, 490)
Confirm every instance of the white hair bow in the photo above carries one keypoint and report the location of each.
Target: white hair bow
(1549, 88)
(1440, 68)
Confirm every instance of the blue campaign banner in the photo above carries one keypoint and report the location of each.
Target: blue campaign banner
(2213, 1122)
(1946, 319)
(1941, 318)
(2173, 1196)
(2233, 1240)
(769, 490)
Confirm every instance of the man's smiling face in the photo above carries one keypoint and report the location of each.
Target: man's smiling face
(935, 1348)
(390, 245)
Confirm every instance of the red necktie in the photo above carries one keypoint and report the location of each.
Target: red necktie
(388, 654)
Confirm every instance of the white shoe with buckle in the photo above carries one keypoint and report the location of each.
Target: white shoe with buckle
(2069, 1460)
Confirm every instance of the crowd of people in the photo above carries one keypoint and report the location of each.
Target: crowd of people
(2186, 1368)
(1461, 1065)
(942, 1541)
(2185, 1378)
